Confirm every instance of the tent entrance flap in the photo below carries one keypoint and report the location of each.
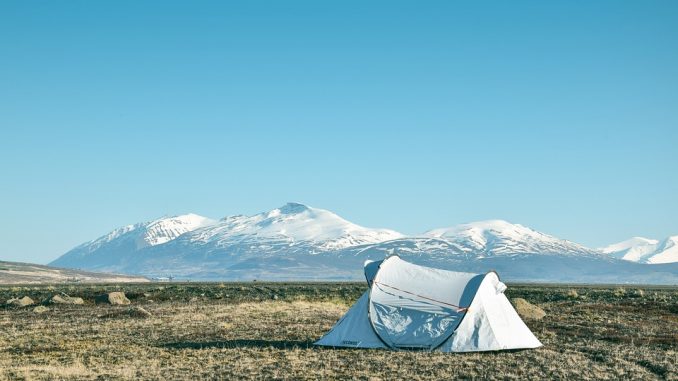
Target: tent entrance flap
(401, 327)
(406, 312)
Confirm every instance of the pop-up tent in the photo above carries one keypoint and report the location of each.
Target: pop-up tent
(415, 307)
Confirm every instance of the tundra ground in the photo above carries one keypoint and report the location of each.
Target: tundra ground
(266, 330)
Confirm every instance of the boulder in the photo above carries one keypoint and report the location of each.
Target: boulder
(527, 310)
(21, 302)
(65, 299)
(40, 309)
(116, 298)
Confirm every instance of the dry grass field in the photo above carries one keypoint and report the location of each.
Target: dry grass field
(266, 331)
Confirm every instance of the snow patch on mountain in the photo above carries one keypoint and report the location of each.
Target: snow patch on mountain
(166, 229)
(151, 233)
(667, 251)
(644, 250)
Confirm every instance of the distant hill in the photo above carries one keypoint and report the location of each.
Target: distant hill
(26, 273)
(298, 242)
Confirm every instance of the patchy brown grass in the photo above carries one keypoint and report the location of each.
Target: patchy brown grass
(266, 331)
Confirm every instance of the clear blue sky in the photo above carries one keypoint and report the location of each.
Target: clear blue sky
(559, 115)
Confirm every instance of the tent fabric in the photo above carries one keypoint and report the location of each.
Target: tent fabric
(415, 307)
(371, 268)
(491, 323)
(353, 329)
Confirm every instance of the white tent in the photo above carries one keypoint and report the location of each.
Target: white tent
(415, 307)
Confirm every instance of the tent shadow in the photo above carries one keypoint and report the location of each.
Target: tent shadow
(240, 343)
(289, 344)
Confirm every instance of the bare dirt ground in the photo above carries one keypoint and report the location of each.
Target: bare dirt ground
(28, 273)
(266, 331)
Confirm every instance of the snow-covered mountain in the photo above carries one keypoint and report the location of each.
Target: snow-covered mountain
(644, 250)
(296, 241)
(292, 225)
(498, 237)
(110, 250)
(292, 228)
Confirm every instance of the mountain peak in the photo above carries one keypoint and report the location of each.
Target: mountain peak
(292, 225)
(628, 244)
(153, 232)
(168, 228)
(289, 209)
(293, 208)
(497, 225)
(503, 237)
(481, 228)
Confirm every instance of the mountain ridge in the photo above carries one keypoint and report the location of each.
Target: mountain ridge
(296, 241)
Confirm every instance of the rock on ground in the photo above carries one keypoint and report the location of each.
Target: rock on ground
(21, 302)
(527, 310)
(65, 299)
(40, 309)
(116, 298)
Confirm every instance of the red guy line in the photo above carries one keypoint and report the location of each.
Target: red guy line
(459, 308)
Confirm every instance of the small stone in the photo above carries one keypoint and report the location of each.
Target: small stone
(40, 309)
(527, 310)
